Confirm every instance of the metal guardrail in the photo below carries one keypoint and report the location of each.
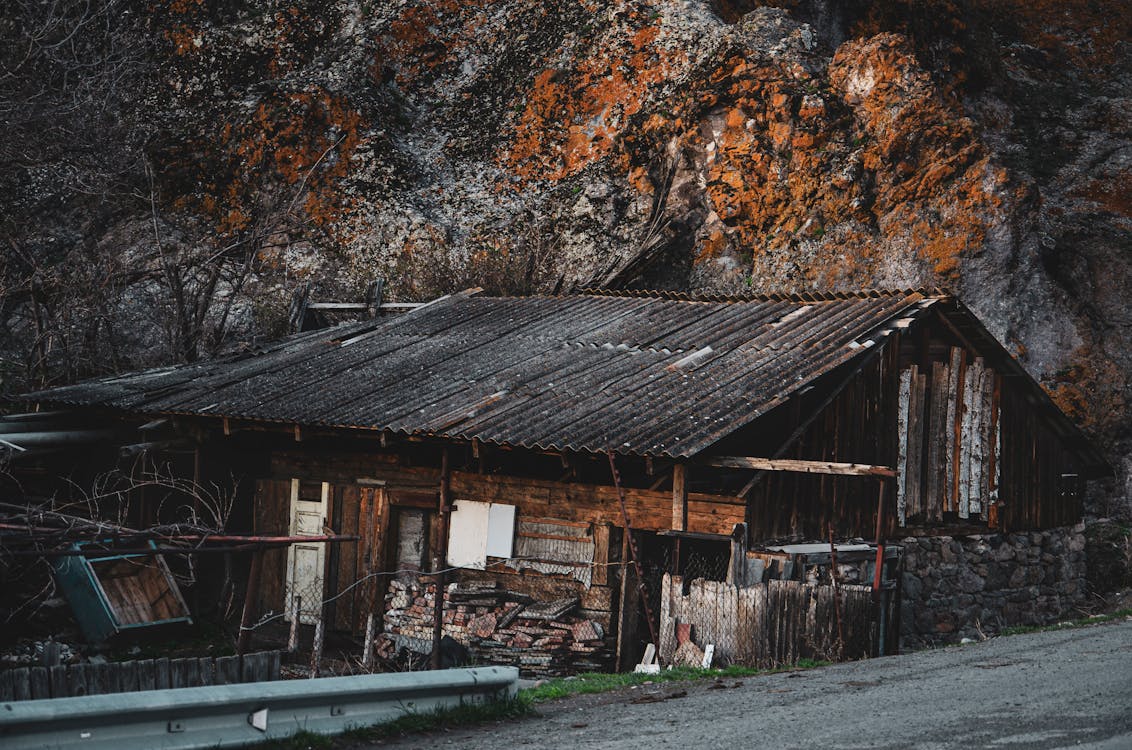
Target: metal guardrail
(236, 715)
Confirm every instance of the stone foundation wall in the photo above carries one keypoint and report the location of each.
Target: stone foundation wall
(972, 586)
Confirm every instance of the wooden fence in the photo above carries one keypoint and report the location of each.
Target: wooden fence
(770, 624)
(70, 680)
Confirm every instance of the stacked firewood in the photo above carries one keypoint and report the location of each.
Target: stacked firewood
(497, 626)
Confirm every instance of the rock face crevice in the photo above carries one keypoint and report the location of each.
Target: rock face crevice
(174, 172)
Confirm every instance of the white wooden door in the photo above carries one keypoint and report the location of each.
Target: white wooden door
(306, 562)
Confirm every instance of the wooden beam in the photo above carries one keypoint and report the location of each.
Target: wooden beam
(679, 497)
(803, 467)
(440, 557)
(358, 306)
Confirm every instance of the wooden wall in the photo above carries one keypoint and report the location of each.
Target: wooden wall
(856, 427)
(352, 510)
(949, 435)
(366, 489)
(975, 448)
(1034, 493)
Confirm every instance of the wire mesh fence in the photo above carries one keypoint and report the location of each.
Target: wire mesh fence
(387, 621)
(768, 624)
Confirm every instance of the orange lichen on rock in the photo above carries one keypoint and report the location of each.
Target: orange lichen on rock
(426, 35)
(1090, 389)
(1112, 193)
(293, 151)
(925, 155)
(573, 115)
(184, 39)
(1089, 33)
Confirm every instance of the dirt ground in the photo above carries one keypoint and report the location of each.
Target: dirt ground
(1041, 690)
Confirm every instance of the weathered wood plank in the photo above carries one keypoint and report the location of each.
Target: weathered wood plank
(937, 439)
(965, 445)
(679, 497)
(669, 601)
(257, 667)
(129, 679)
(600, 575)
(177, 673)
(902, 439)
(7, 685)
(978, 438)
(30, 683)
(916, 420)
(993, 462)
(227, 670)
(957, 369)
(60, 685)
(103, 678)
(147, 675)
(274, 665)
(799, 466)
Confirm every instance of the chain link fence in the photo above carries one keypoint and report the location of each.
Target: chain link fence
(386, 621)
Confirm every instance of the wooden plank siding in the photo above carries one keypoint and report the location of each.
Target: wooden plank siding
(857, 427)
(271, 517)
(972, 450)
(1031, 463)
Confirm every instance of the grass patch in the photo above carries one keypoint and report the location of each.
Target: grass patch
(460, 716)
(1083, 622)
(600, 682)
(303, 740)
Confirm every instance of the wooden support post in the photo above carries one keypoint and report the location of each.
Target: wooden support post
(440, 559)
(367, 649)
(878, 574)
(316, 647)
(679, 498)
(600, 575)
(293, 638)
(249, 602)
(880, 595)
(628, 526)
(374, 295)
(737, 569)
(833, 580)
(626, 609)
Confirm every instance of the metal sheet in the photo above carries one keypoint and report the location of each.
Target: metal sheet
(586, 372)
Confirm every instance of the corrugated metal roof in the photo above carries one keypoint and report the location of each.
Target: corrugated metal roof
(587, 372)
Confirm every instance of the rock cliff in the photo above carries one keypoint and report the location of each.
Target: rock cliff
(173, 171)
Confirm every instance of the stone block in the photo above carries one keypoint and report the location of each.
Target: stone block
(969, 582)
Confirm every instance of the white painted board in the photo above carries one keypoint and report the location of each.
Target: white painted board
(500, 530)
(467, 535)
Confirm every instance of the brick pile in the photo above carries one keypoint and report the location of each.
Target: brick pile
(501, 627)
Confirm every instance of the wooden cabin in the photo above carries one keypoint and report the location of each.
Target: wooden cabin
(511, 443)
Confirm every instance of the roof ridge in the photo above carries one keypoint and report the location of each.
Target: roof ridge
(810, 296)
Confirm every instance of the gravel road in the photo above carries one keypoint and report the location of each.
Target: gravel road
(1069, 688)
